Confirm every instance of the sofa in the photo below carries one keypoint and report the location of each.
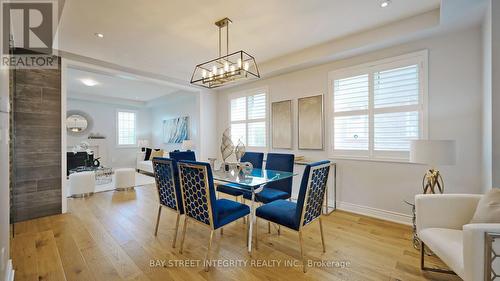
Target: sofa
(145, 166)
(443, 226)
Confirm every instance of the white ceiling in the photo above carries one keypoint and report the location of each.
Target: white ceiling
(171, 37)
(111, 85)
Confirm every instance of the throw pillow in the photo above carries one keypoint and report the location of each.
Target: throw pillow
(156, 153)
(147, 154)
(488, 208)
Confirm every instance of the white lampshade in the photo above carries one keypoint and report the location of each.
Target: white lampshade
(433, 152)
(187, 144)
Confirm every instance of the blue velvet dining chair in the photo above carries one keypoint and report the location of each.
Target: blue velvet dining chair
(169, 191)
(256, 159)
(281, 189)
(200, 203)
(182, 155)
(296, 216)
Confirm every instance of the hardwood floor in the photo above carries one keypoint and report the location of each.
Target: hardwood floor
(109, 236)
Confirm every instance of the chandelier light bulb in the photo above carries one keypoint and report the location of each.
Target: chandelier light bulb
(204, 73)
(232, 69)
(226, 66)
(239, 63)
(246, 66)
(214, 69)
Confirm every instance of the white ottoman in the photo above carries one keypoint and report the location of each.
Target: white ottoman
(81, 184)
(124, 179)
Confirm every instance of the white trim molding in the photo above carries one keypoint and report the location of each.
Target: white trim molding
(375, 213)
(9, 273)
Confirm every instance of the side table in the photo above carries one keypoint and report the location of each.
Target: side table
(415, 240)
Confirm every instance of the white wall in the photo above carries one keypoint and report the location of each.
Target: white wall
(455, 97)
(172, 106)
(487, 168)
(4, 175)
(104, 122)
(208, 123)
(495, 21)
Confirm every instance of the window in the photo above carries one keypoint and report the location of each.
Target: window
(248, 118)
(126, 126)
(378, 108)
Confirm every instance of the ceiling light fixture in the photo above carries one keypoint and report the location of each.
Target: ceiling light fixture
(225, 69)
(100, 35)
(385, 3)
(89, 82)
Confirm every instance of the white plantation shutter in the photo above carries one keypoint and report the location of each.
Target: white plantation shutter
(256, 106)
(393, 131)
(396, 87)
(126, 123)
(248, 119)
(238, 109)
(378, 109)
(351, 132)
(396, 101)
(351, 93)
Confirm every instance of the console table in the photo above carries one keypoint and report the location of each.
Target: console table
(103, 175)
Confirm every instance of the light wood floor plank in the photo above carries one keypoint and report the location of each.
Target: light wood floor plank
(109, 237)
(48, 260)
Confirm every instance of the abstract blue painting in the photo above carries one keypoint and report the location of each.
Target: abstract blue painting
(175, 130)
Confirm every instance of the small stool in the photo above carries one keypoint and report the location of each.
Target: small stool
(124, 179)
(81, 184)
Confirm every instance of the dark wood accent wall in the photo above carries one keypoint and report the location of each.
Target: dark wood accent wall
(37, 144)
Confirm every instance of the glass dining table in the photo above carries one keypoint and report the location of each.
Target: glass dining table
(253, 183)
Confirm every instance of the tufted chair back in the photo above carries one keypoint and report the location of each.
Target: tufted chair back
(198, 193)
(312, 192)
(281, 162)
(182, 155)
(256, 158)
(167, 183)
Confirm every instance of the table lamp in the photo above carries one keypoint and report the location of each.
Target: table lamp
(433, 153)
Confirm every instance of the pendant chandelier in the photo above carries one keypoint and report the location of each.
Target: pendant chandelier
(226, 68)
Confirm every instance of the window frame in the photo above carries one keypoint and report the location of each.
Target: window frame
(420, 58)
(247, 93)
(117, 124)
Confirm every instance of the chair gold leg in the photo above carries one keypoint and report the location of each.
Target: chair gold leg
(302, 252)
(322, 236)
(208, 249)
(242, 200)
(176, 229)
(268, 227)
(183, 233)
(424, 268)
(256, 231)
(248, 233)
(158, 220)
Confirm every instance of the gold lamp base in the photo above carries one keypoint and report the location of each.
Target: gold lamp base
(431, 180)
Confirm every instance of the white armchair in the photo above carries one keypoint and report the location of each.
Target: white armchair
(443, 226)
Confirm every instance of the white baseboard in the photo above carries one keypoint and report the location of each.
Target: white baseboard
(9, 274)
(376, 213)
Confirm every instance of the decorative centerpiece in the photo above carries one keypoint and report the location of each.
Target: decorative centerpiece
(239, 150)
(226, 147)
